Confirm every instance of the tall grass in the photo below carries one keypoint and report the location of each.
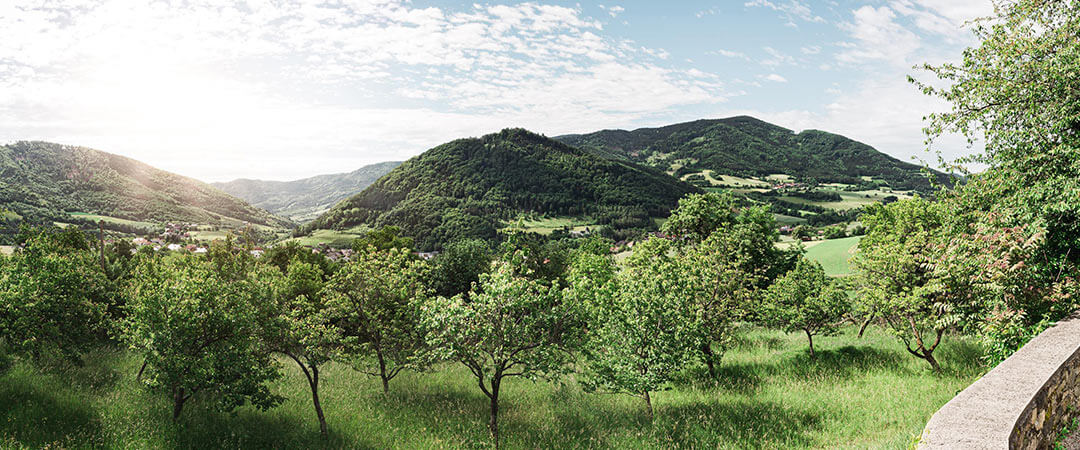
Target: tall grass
(857, 393)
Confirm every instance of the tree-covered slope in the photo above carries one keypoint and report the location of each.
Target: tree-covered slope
(745, 146)
(303, 200)
(43, 181)
(467, 187)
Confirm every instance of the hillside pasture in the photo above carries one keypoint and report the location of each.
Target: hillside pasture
(333, 238)
(112, 220)
(833, 254)
(850, 199)
(858, 393)
(548, 225)
(6, 249)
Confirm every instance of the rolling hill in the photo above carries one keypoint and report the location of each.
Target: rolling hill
(304, 200)
(472, 187)
(747, 147)
(44, 182)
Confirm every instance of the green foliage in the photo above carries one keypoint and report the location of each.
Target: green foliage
(806, 300)
(199, 325)
(377, 296)
(1018, 219)
(43, 182)
(382, 239)
(644, 330)
(458, 266)
(467, 188)
(303, 325)
(54, 296)
(748, 147)
(509, 326)
(900, 279)
(698, 215)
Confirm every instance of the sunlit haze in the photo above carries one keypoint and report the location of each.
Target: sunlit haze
(282, 90)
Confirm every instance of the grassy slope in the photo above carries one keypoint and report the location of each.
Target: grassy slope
(865, 393)
(833, 254)
(45, 181)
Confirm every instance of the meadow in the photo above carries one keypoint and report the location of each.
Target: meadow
(833, 254)
(857, 393)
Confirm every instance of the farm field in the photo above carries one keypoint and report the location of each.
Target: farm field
(547, 225)
(333, 238)
(858, 393)
(115, 220)
(850, 200)
(833, 254)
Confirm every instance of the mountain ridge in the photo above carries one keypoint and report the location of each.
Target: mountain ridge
(44, 181)
(470, 187)
(304, 199)
(747, 146)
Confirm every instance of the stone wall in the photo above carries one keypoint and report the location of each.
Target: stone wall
(1021, 404)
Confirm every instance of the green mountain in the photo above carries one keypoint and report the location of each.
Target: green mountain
(43, 182)
(304, 200)
(473, 187)
(747, 147)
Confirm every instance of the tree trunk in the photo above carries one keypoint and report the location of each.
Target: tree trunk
(810, 338)
(178, 403)
(929, 357)
(648, 407)
(493, 424)
(707, 355)
(314, 382)
(866, 322)
(382, 373)
(138, 376)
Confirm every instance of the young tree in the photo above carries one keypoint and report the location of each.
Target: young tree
(377, 295)
(899, 279)
(459, 265)
(53, 295)
(645, 328)
(302, 325)
(698, 215)
(200, 329)
(1016, 92)
(729, 270)
(806, 300)
(510, 326)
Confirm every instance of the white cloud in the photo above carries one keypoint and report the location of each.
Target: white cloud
(208, 81)
(776, 78)
(790, 10)
(728, 54)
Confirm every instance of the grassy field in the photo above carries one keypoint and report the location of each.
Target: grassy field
(333, 238)
(850, 200)
(858, 393)
(833, 254)
(115, 220)
(547, 225)
(6, 249)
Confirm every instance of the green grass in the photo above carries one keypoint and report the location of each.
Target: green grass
(833, 254)
(333, 238)
(547, 225)
(858, 393)
(114, 220)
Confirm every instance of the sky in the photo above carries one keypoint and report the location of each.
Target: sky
(282, 90)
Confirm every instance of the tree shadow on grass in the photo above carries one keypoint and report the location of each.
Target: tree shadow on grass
(746, 424)
(961, 358)
(35, 416)
(204, 427)
(843, 362)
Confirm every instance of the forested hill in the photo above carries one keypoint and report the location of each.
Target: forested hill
(303, 200)
(42, 182)
(748, 147)
(470, 187)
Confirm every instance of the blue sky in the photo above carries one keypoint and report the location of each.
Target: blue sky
(288, 89)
